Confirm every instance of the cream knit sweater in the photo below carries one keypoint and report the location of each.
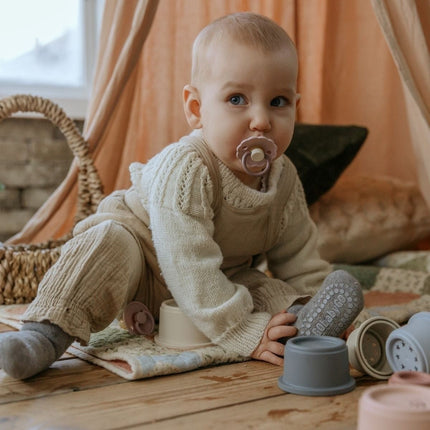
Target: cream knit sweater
(166, 221)
(206, 262)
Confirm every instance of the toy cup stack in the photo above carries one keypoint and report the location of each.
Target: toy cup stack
(405, 402)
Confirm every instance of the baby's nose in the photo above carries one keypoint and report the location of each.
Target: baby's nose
(260, 120)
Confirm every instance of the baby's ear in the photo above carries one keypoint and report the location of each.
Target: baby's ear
(298, 97)
(191, 100)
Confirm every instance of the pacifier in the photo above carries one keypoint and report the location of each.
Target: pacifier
(256, 154)
(138, 319)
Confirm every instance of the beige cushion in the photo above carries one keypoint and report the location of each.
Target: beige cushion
(363, 218)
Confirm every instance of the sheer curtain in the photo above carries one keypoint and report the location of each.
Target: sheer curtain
(406, 27)
(347, 76)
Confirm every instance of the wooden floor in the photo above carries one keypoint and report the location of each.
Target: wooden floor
(74, 394)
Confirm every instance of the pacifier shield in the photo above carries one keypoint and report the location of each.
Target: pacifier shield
(256, 154)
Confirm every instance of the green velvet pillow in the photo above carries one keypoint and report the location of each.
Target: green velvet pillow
(321, 153)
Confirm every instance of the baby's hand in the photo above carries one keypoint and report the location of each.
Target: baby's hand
(270, 349)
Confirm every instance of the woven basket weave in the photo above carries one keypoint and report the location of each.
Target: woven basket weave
(23, 266)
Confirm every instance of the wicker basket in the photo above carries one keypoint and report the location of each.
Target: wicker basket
(23, 266)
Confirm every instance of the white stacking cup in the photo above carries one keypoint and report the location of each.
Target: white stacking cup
(176, 330)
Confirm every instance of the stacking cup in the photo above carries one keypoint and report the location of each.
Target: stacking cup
(316, 366)
(176, 330)
(366, 347)
(410, 377)
(408, 347)
(394, 407)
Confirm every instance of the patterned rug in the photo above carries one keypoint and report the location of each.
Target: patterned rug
(133, 357)
(396, 286)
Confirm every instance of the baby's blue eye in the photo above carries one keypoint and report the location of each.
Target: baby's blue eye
(237, 100)
(279, 101)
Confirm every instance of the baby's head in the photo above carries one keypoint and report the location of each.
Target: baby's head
(243, 85)
(246, 28)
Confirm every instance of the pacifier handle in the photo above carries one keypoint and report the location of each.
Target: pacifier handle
(138, 319)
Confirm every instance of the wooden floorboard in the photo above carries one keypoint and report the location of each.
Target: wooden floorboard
(64, 376)
(74, 395)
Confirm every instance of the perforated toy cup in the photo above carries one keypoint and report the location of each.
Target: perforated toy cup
(394, 407)
(408, 347)
(176, 330)
(316, 366)
(366, 347)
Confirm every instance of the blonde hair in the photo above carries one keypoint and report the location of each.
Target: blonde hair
(250, 29)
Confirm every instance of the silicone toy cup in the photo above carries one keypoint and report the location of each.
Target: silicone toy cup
(256, 154)
(316, 366)
(408, 347)
(394, 407)
(410, 377)
(176, 330)
(138, 319)
(366, 347)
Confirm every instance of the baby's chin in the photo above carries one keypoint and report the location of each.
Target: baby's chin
(245, 178)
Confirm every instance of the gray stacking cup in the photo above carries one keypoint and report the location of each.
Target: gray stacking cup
(316, 366)
(408, 347)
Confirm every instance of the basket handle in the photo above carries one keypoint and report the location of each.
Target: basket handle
(90, 188)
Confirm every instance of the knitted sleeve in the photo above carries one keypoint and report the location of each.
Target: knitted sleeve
(295, 258)
(178, 197)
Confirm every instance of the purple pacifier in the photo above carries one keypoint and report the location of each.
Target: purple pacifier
(256, 152)
(138, 318)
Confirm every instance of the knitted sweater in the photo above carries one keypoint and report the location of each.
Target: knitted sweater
(204, 258)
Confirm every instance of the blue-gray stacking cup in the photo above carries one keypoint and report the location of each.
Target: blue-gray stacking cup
(316, 366)
(408, 347)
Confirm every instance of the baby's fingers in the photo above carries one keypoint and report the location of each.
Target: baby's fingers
(278, 332)
(282, 318)
(273, 353)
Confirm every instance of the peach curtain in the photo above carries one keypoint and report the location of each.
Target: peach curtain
(347, 76)
(406, 27)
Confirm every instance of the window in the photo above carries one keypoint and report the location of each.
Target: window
(49, 49)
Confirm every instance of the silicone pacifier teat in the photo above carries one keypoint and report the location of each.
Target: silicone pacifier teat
(256, 154)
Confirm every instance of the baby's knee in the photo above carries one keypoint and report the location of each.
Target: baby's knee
(118, 236)
(106, 235)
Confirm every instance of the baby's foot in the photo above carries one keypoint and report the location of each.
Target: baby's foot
(33, 349)
(333, 309)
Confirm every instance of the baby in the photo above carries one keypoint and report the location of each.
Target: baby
(197, 216)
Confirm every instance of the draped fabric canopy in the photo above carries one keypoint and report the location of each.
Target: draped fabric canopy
(361, 62)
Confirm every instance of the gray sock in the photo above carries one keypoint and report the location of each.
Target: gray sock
(333, 309)
(295, 309)
(33, 349)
